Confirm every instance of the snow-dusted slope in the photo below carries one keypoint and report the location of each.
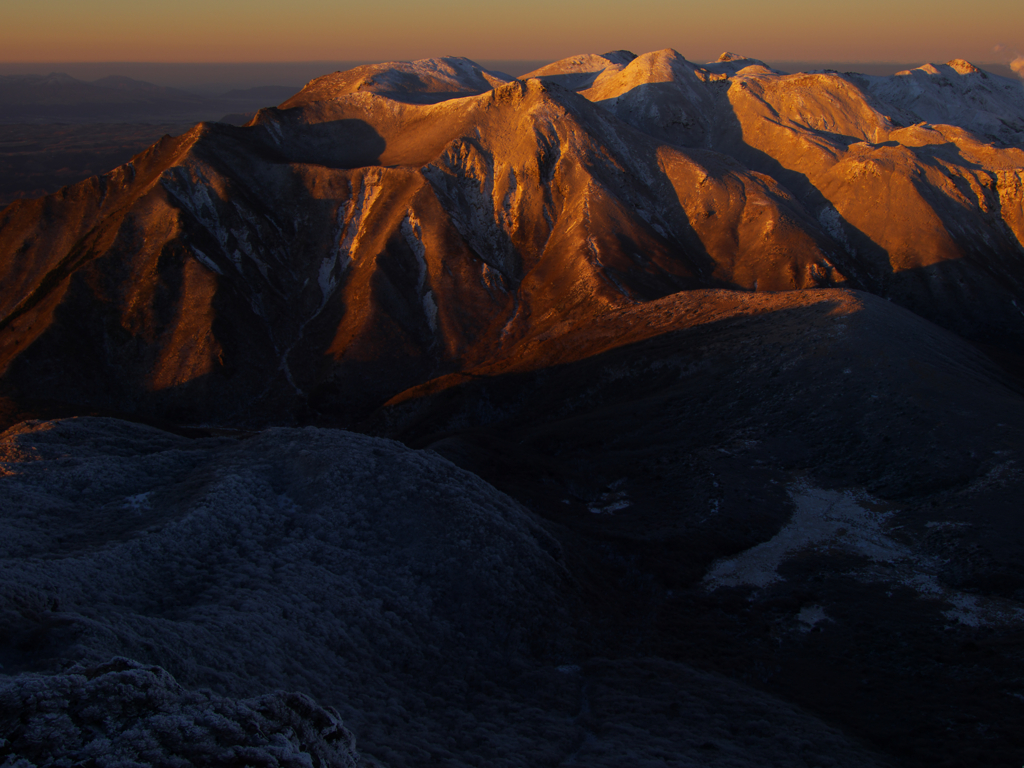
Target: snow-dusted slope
(424, 81)
(956, 93)
(578, 73)
(346, 567)
(125, 713)
(928, 215)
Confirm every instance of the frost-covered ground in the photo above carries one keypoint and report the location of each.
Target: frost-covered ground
(157, 593)
(123, 713)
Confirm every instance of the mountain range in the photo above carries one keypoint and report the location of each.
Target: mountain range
(707, 382)
(61, 98)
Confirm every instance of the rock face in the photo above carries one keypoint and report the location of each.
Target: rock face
(704, 377)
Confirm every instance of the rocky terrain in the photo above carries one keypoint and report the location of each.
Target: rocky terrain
(632, 411)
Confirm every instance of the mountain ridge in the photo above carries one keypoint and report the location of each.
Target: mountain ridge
(521, 220)
(493, 159)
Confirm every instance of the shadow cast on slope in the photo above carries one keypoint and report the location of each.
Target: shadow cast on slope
(282, 136)
(654, 459)
(966, 295)
(660, 110)
(795, 370)
(349, 143)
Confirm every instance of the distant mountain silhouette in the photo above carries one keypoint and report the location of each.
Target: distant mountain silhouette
(58, 97)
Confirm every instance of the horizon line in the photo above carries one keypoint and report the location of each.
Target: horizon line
(385, 60)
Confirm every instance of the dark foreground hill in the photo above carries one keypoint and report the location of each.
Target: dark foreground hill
(703, 377)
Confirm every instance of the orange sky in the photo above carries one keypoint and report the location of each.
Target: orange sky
(261, 30)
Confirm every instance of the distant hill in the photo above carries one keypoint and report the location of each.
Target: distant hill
(60, 98)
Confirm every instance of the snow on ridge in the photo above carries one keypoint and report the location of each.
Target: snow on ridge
(419, 81)
(189, 186)
(832, 221)
(191, 189)
(412, 230)
(336, 261)
(583, 71)
(456, 69)
(683, 108)
(348, 231)
(732, 63)
(956, 93)
(464, 180)
(430, 309)
(206, 261)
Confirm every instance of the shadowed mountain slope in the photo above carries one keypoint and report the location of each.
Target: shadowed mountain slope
(814, 492)
(721, 480)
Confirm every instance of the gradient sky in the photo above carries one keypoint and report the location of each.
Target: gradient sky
(304, 30)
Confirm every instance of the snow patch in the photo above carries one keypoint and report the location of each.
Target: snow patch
(830, 219)
(205, 260)
(821, 519)
(956, 93)
(273, 128)
(412, 230)
(430, 309)
(348, 229)
(848, 521)
(810, 616)
(611, 501)
(464, 180)
(138, 503)
(190, 187)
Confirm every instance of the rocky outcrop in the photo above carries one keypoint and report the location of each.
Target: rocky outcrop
(132, 714)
